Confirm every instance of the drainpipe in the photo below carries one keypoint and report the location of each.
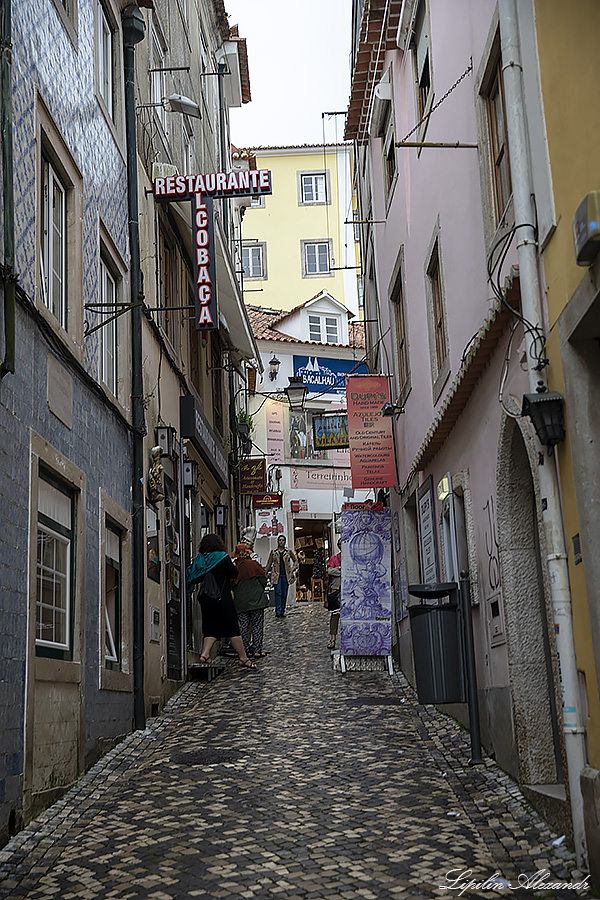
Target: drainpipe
(522, 183)
(134, 29)
(8, 273)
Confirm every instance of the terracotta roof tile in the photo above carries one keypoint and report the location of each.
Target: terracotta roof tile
(263, 321)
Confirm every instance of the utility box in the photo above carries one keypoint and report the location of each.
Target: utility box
(586, 229)
(437, 644)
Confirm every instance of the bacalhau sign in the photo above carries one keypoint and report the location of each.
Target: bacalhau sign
(202, 190)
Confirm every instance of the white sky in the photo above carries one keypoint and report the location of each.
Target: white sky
(299, 63)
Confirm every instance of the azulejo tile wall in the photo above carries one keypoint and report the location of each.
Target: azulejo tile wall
(45, 60)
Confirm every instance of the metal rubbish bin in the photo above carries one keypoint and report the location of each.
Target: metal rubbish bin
(437, 646)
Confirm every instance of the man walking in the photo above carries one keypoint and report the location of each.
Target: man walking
(282, 567)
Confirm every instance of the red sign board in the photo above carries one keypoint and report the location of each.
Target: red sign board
(370, 433)
(295, 505)
(253, 476)
(263, 501)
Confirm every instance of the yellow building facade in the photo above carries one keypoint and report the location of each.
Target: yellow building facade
(567, 41)
(295, 242)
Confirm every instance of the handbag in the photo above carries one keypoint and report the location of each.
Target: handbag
(333, 601)
(209, 590)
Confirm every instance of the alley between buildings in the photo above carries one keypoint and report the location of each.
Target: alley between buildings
(293, 781)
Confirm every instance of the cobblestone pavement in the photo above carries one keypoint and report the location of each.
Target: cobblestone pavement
(294, 781)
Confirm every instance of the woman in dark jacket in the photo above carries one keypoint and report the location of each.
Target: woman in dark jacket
(219, 618)
(250, 599)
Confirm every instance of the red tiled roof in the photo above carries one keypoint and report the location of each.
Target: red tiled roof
(263, 321)
(288, 312)
(376, 36)
(221, 16)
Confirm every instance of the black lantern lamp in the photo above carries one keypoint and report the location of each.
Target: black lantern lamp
(274, 364)
(545, 409)
(296, 392)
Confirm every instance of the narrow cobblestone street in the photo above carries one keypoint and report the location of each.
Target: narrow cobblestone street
(293, 781)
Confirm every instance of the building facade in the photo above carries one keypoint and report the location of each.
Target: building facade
(118, 440)
(311, 484)
(298, 242)
(454, 316)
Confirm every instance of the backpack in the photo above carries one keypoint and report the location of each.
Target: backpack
(209, 589)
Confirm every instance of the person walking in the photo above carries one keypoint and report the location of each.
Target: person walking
(250, 599)
(219, 618)
(282, 567)
(334, 589)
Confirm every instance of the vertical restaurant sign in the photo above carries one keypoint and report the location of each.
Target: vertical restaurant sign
(202, 190)
(275, 432)
(370, 434)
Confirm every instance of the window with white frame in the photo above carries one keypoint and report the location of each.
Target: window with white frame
(108, 332)
(316, 258)
(55, 565)
(254, 260)
(313, 188)
(331, 329)
(496, 114)
(158, 87)
(421, 48)
(439, 351)
(400, 330)
(113, 597)
(314, 328)
(54, 243)
(105, 59)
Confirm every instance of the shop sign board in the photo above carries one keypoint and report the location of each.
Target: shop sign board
(269, 522)
(319, 477)
(266, 501)
(253, 476)
(427, 538)
(202, 189)
(194, 426)
(371, 440)
(366, 613)
(330, 431)
(275, 432)
(320, 374)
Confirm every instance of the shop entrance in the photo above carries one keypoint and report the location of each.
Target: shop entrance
(312, 545)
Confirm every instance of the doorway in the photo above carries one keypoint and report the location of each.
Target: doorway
(312, 546)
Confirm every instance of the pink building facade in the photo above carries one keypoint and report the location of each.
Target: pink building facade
(435, 222)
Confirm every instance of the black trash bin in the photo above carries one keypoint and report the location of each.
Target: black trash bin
(437, 646)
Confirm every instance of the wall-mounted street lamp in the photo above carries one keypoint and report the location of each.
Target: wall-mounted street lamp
(175, 103)
(296, 392)
(274, 364)
(390, 409)
(545, 409)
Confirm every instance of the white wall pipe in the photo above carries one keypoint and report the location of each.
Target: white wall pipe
(522, 185)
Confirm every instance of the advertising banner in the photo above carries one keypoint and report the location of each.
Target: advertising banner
(253, 476)
(267, 501)
(366, 614)
(320, 374)
(269, 522)
(312, 477)
(330, 430)
(275, 432)
(370, 433)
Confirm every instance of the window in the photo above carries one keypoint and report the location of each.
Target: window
(313, 188)
(105, 60)
(55, 565)
(389, 150)
(436, 316)
(217, 386)
(398, 307)
(108, 332)
(301, 437)
(314, 328)
(331, 330)
(254, 260)
(188, 149)
(112, 598)
(168, 266)
(382, 126)
(54, 244)
(158, 84)
(316, 256)
(421, 47)
(502, 186)
(67, 11)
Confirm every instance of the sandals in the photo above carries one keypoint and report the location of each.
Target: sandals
(247, 663)
(331, 645)
(204, 659)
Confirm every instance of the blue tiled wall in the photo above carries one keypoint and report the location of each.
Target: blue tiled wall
(45, 60)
